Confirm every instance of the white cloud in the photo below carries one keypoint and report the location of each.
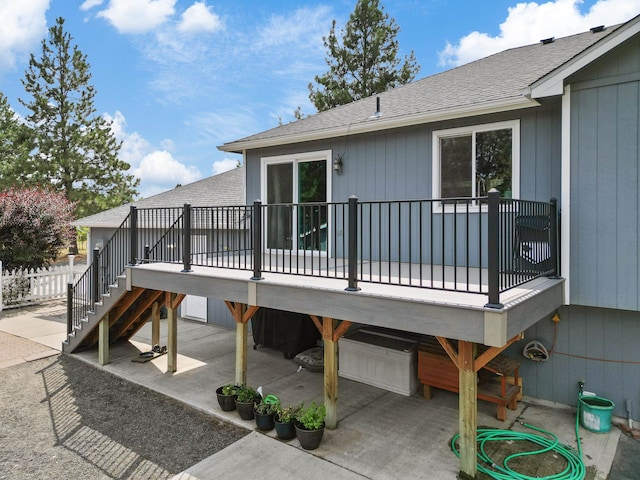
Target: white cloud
(199, 18)
(303, 27)
(222, 166)
(23, 25)
(89, 4)
(528, 23)
(157, 169)
(138, 16)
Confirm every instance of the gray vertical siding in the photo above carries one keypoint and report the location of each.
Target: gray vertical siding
(596, 345)
(218, 314)
(396, 164)
(605, 218)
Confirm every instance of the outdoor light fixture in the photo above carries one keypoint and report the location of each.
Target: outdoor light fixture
(337, 165)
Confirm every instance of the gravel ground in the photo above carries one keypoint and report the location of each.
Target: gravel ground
(61, 418)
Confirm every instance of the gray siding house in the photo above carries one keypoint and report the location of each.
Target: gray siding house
(571, 106)
(486, 206)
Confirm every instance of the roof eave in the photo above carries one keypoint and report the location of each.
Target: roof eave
(552, 84)
(382, 123)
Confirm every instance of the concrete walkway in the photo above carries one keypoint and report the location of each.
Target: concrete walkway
(380, 435)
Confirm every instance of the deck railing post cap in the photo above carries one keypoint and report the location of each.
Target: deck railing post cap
(353, 196)
(494, 191)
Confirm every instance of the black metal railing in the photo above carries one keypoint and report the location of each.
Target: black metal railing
(105, 266)
(482, 245)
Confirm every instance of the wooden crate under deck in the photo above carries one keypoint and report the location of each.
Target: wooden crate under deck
(435, 369)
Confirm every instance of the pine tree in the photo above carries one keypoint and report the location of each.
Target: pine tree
(75, 149)
(366, 63)
(15, 145)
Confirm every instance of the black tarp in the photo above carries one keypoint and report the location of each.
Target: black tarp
(288, 332)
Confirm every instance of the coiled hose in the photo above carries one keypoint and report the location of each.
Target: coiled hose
(575, 469)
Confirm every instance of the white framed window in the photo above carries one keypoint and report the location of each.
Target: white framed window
(470, 161)
(287, 182)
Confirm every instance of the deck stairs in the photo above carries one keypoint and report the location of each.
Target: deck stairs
(128, 311)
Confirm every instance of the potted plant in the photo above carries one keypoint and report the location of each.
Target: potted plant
(264, 411)
(245, 398)
(284, 421)
(227, 397)
(309, 426)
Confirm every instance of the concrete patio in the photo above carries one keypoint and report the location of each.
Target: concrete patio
(380, 435)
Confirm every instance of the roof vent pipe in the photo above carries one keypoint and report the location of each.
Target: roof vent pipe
(378, 112)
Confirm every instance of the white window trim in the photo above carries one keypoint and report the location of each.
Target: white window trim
(295, 158)
(514, 125)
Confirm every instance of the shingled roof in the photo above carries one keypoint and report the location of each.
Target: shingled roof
(499, 82)
(224, 189)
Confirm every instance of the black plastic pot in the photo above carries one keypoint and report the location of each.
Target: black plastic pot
(245, 409)
(285, 431)
(264, 421)
(309, 439)
(227, 402)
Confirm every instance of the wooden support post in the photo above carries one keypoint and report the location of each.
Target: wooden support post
(103, 341)
(155, 324)
(241, 352)
(241, 314)
(172, 332)
(468, 409)
(330, 372)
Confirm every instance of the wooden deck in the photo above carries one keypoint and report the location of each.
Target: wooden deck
(455, 315)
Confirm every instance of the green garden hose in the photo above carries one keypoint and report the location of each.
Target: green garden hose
(575, 469)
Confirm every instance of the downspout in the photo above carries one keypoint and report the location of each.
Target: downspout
(565, 197)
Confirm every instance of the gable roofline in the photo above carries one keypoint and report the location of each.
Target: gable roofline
(497, 83)
(553, 83)
(382, 123)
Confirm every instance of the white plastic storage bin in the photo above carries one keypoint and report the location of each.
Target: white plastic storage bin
(380, 359)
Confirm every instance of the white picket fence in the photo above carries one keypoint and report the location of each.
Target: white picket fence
(24, 287)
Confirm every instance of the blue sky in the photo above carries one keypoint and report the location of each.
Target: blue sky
(180, 77)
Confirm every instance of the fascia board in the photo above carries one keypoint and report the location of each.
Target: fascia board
(381, 123)
(553, 83)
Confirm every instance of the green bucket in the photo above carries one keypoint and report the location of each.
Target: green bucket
(595, 413)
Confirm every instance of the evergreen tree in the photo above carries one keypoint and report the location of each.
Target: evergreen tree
(366, 63)
(75, 149)
(15, 145)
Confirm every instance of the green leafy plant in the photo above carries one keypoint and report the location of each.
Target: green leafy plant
(287, 414)
(247, 394)
(312, 417)
(230, 389)
(266, 407)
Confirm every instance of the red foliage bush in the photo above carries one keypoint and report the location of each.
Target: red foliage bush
(34, 226)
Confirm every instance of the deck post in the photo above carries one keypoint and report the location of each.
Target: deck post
(468, 409)
(493, 255)
(330, 372)
(133, 220)
(186, 238)
(69, 307)
(103, 340)
(95, 278)
(155, 324)
(553, 241)
(172, 333)
(353, 245)
(257, 240)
